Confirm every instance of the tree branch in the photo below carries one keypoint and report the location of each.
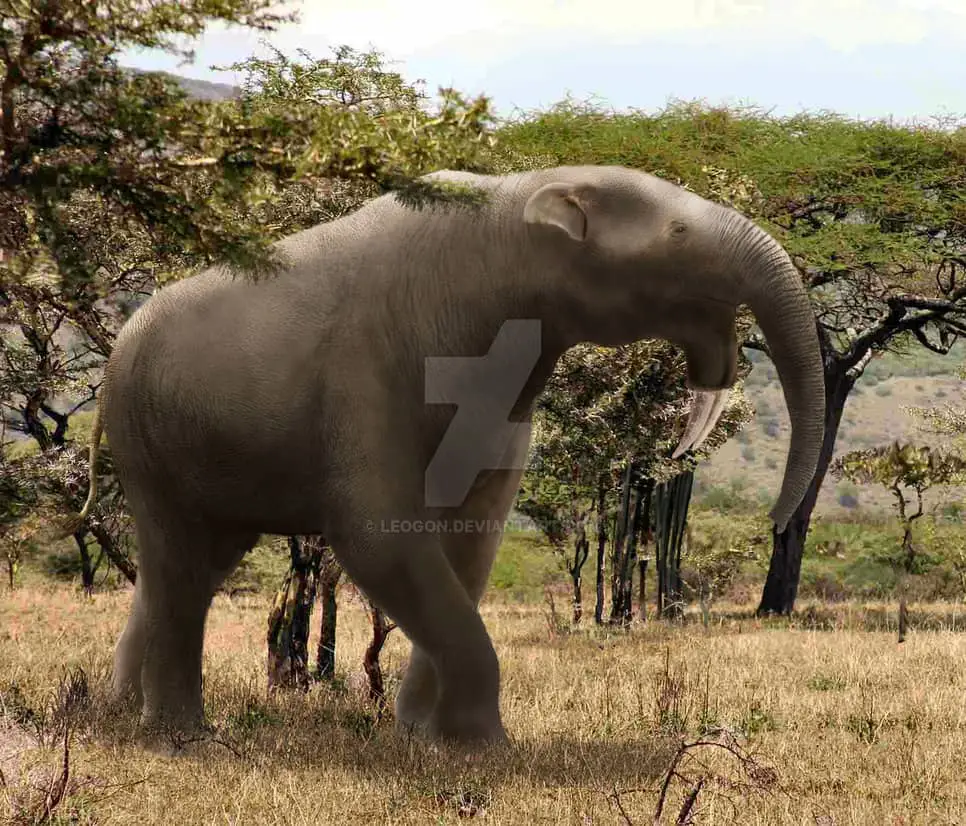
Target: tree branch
(755, 341)
(899, 320)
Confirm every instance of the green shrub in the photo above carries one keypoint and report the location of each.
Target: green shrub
(525, 563)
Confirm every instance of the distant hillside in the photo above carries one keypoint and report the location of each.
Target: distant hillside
(202, 89)
(753, 462)
(206, 89)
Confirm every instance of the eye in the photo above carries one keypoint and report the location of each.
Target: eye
(677, 228)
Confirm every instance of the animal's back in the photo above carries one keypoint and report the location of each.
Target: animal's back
(227, 390)
(215, 377)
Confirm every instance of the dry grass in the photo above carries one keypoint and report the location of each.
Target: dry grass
(846, 726)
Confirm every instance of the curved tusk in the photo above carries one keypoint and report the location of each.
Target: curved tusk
(701, 406)
(720, 402)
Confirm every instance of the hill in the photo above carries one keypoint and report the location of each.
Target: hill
(200, 89)
(751, 465)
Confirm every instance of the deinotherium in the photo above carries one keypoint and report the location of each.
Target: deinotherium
(309, 403)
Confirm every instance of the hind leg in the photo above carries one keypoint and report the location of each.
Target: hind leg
(181, 562)
(129, 654)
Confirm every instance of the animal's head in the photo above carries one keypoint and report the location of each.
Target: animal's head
(643, 258)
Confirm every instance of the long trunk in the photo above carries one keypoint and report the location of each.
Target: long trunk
(785, 568)
(772, 287)
(601, 548)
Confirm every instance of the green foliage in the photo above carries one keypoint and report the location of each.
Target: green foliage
(602, 408)
(899, 466)
(523, 566)
(725, 498)
(713, 559)
(113, 182)
(262, 569)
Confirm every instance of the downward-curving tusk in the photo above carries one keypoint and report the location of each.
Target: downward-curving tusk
(705, 410)
(720, 402)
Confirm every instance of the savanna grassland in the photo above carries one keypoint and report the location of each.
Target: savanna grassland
(824, 719)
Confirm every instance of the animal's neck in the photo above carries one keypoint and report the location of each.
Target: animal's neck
(469, 286)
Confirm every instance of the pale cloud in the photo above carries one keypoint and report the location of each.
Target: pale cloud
(494, 26)
(871, 57)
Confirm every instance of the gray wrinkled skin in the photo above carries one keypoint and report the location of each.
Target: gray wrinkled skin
(295, 405)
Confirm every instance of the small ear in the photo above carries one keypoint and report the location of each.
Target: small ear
(557, 204)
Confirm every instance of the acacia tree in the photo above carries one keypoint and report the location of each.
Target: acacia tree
(903, 469)
(872, 214)
(113, 182)
(606, 411)
(884, 238)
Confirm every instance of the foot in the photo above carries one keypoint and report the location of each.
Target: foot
(469, 727)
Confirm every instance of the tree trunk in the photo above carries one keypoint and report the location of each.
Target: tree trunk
(640, 524)
(581, 552)
(785, 568)
(601, 548)
(642, 590)
(671, 501)
(622, 525)
(87, 572)
(291, 614)
(380, 630)
(329, 577)
(637, 505)
(114, 555)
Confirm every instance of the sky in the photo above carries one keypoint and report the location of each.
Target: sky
(860, 58)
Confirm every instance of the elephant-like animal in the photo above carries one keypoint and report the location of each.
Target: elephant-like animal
(398, 344)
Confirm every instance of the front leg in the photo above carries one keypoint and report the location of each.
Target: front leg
(409, 577)
(471, 555)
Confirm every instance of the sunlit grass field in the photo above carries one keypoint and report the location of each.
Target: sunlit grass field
(824, 720)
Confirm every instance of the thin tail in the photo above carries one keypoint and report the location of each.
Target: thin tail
(75, 521)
